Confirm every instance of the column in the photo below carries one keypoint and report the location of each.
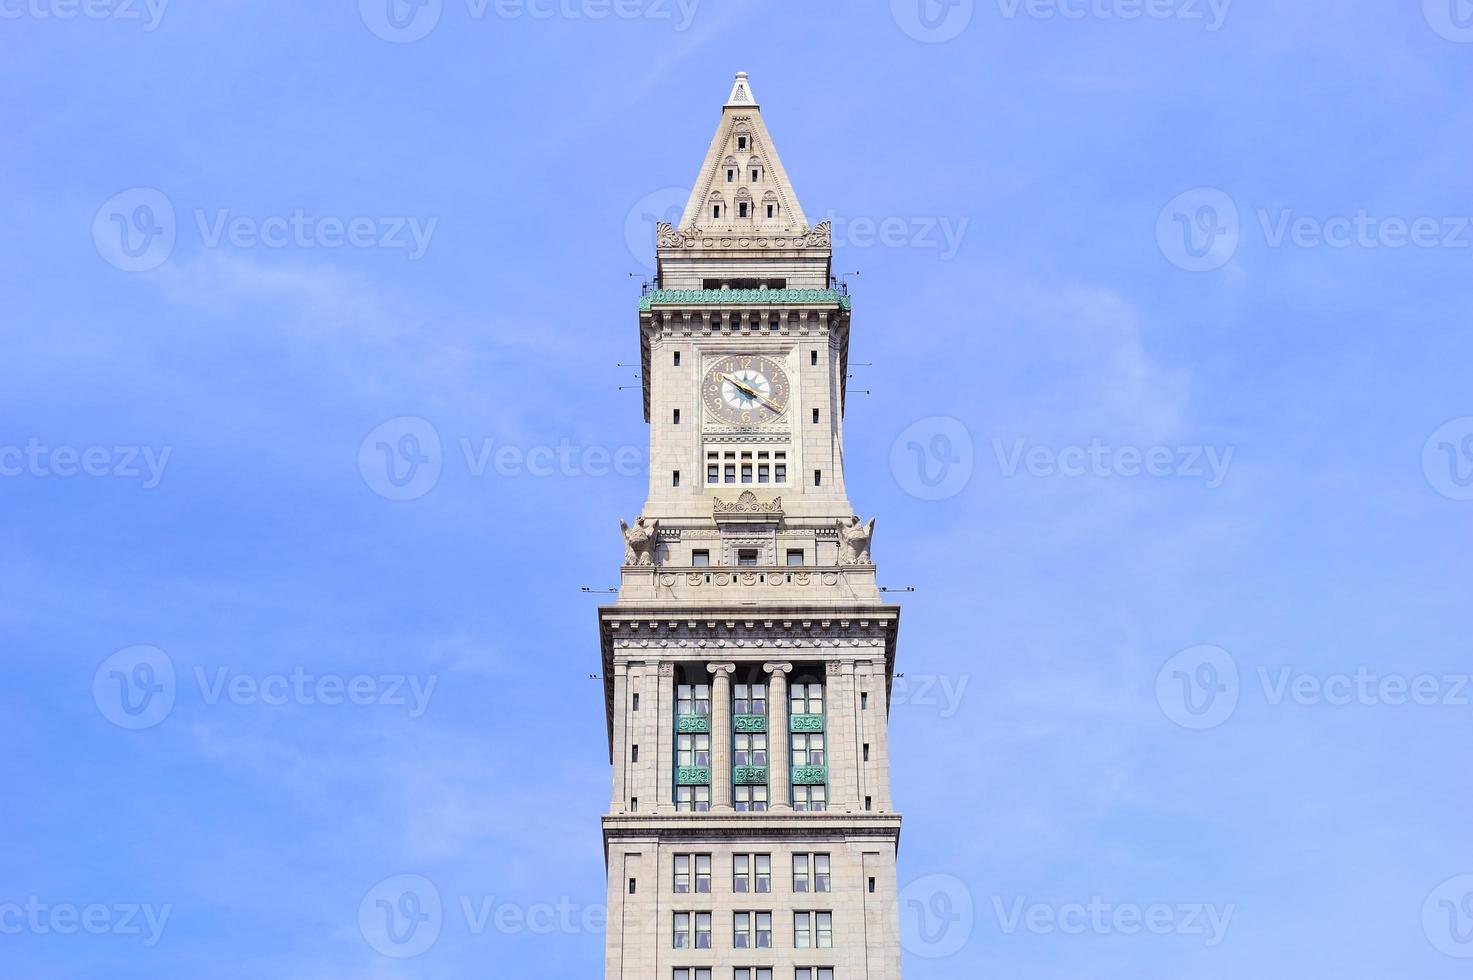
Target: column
(621, 735)
(777, 736)
(721, 735)
(841, 740)
(665, 739)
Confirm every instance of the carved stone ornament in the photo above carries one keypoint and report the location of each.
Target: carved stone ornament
(748, 503)
(854, 541)
(639, 541)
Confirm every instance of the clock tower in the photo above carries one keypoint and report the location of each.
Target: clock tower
(747, 662)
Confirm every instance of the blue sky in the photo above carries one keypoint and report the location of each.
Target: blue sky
(1109, 238)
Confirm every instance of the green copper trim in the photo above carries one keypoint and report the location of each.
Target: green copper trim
(749, 775)
(805, 724)
(693, 776)
(692, 724)
(721, 297)
(810, 775)
(749, 723)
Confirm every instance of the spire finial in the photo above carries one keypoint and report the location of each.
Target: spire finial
(741, 92)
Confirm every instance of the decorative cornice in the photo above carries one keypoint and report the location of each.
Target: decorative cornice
(748, 503)
(748, 297)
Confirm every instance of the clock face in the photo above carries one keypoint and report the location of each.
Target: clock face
(745, 389)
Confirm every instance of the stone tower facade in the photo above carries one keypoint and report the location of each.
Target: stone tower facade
(747, 662)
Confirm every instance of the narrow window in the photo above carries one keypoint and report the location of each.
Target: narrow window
(636, 702)
(771, 210)
(675, 478)
(631, 886)
(815, 415)
(741, 209)
(741, 142)
(634, 753)
(863, 700)
(677, 358)
(634, 803)
(866, 751)
(677, 416)
(817, 478)
(869, 803)
(813, 357)
(730, 174)
(872, 886)
(715, 210)
(756, 175)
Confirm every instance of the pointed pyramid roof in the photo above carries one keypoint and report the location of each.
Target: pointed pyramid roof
(740, 148)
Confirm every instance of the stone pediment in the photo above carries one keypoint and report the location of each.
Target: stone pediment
(747, 509)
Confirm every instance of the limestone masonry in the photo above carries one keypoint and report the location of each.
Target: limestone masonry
(747, 662)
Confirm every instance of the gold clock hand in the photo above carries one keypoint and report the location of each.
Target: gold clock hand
(743, 386)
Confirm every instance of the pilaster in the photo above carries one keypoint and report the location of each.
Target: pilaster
(721, 735)
(779, 797)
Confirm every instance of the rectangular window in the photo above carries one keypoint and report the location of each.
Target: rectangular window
(633, 803)
(863, 700)
(866, 751)
(770, 209)
(751, 699)
(729, 471)
(808, 749)
(741, 142)
(715, 210)
(750, 749)
(811, 873)
(795, 556)
(817, 478)
(869, 803)
(675, 478)
(636, 701)
(695, 750)
(693, 799)
(632, 885)
(809, 799)
(634, 753)
(677, 417)
(756, 176)
(751, 873)
(872, 886)
(752, 973)
(747, 557)
(700, 558)
(813, 973)
(741, 930)
(703, 930)
(682, 874)
(692, 973)
(806, 699)
(750, 798)
(677, 358)
(730, 174)
(693, 699)
(813, 930)
(813, 357)
(741, 209)
(682, 930)
(815, 416)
